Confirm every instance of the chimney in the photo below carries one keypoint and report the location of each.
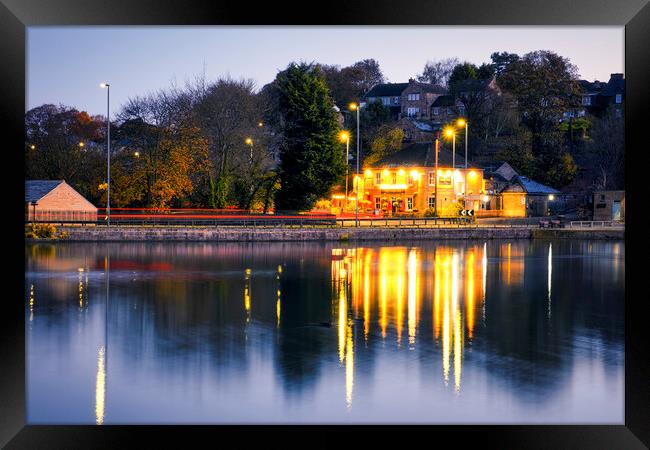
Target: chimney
(411, 80)
(617, 76)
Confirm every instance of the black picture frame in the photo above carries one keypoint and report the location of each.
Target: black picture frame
(16, 15)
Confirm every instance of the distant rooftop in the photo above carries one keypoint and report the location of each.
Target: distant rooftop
(420, 154)
(37, 189)
(533, 187)
(386, 90)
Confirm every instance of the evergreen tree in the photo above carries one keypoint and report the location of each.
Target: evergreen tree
(311, 159)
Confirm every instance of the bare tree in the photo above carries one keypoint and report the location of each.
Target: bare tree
(438, 72)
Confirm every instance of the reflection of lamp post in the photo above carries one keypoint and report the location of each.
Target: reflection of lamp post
(345, 137)
(249, 141)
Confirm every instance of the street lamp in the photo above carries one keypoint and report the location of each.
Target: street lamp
(355, 107)
(345, 137)
(451, 132)
(81, 145)
(108, 150)
(463, 123)
(249, 141)
(435, 176)
(136, 154)
(33, 147)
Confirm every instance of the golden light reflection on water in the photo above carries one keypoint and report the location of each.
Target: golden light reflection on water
(31, 303)
(550, 270)
(100, 388)
(379, 284)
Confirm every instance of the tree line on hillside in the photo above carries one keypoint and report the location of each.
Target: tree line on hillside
(218, 144)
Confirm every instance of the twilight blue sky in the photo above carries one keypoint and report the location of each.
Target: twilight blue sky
(66, 64)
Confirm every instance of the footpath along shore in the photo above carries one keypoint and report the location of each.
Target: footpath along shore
(233, 234)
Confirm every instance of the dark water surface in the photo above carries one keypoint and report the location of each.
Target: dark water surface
(449, 332)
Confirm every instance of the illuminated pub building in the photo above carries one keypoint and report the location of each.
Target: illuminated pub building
(404, 183)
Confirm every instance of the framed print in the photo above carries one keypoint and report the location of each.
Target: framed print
(379, 214)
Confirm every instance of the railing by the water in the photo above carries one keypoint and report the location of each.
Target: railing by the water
(596, 224)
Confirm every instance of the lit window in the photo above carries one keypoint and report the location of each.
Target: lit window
(432, 202)
(409, 202)
(385, 101)
(431, 179)
(377, 177)
(619, 98)
(436, 111)
(377, 202)
(586, 100)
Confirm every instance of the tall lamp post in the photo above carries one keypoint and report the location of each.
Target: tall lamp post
(249, 141)
(345, 137)
(108, 150)
(463, 123)
(435, 176)
(451, 132)
(356, 107)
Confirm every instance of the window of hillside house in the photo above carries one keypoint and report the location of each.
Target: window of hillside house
(414, 97)
(412, 111)
(395, 100)
(385, 101)
(431, 179)
(409, 203)
(436, 111)
(619, 98)
(586, 100)
(432, 202)
(377, 202)
(461, 110)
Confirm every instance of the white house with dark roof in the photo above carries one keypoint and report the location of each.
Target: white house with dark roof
(56, 200)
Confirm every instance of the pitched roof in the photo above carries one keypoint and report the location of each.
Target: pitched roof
(444, 100)
(615, 85)
(533, 187)
(420, 154)
(386, 90)
(506, 171)
(37, 189)
(433, 88)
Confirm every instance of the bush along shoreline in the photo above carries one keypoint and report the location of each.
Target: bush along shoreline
(44, 231)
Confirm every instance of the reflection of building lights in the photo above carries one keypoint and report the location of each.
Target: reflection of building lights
(100, 388)
(31, 303)
(343, 312)
(338, 196)
(550, 270)
(349, 367)
(412, 292)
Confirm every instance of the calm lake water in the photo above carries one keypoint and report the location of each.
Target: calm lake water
(451, 332)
